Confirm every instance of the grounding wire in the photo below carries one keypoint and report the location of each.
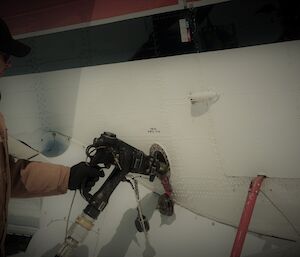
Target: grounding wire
(280, 211)
(69, 214)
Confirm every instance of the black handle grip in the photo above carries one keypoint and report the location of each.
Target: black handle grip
(84, 190)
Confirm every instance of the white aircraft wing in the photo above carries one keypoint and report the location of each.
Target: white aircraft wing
(223, 118)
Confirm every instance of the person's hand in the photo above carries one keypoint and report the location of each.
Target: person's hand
(82, 174)
(104, 157)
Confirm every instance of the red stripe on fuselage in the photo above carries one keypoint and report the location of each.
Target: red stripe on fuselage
(35, 15)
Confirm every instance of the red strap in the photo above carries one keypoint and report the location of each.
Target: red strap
(246, 216)
(167, 186)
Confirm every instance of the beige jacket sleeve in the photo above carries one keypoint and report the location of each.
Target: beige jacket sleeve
(36, 179)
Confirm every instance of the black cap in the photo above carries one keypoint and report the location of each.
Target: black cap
(10, 46)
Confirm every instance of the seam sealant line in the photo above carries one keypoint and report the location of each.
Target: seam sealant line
(246, 216)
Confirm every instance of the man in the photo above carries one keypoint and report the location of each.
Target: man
(22, 178)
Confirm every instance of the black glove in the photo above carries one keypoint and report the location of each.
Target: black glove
(82, 174)
(103, 156)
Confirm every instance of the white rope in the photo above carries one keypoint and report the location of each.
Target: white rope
(69, 214)
(139, 207)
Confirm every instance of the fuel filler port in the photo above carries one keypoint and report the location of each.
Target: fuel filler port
(165, 201)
